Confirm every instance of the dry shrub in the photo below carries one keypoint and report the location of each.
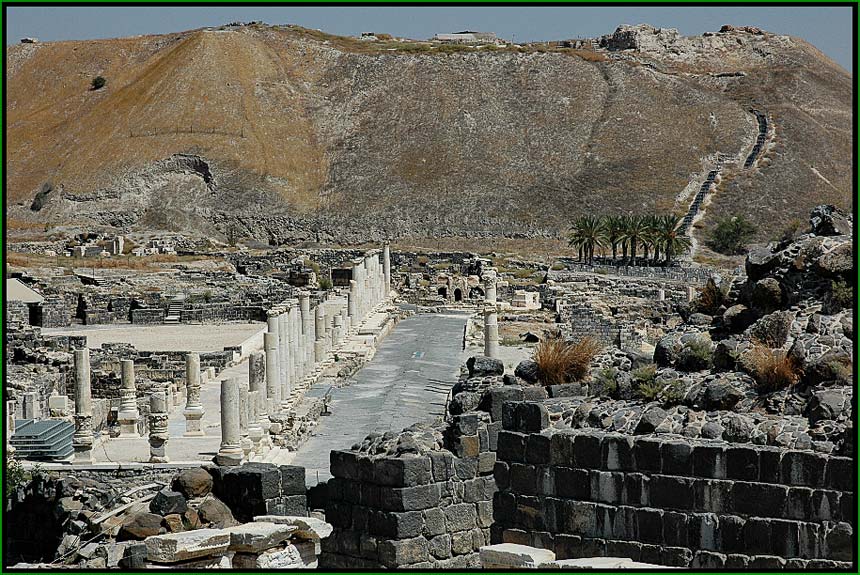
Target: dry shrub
(773, 369)
(710, 298)
(560, 361)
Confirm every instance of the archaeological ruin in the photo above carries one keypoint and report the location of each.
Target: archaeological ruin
(448, 304)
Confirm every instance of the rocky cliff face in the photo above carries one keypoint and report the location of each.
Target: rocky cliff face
(290, 134)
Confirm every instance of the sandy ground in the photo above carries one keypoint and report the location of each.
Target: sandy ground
(182, 337)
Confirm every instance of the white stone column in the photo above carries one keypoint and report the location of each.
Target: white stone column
(295, 345)
(308, 335)
(128, 415)
(347, 324)
(158, 428)
(489, 280)
(257, 383)
(319, 330)
(31, 405)
(244, 419)
(691, 293)
(273, 384)
(284, 354)
(661, 294)
(230, 452)
(386, 266)
(83, 438)
(10, 427)
(491, 332)
(352, 303)
(193, 406)
(337, 330)
(255, 429)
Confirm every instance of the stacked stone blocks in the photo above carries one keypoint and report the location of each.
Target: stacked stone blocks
(667, 500)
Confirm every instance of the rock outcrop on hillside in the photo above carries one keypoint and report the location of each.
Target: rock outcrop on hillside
(286, 134)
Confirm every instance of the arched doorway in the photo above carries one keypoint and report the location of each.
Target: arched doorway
(476, 293)
(443, 291)
(458, 294)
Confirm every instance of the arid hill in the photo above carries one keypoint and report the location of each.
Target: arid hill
(291, 134)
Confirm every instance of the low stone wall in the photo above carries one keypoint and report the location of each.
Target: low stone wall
(667, 500)
(415, 510)
(145, 315)
(17, 312)
(682, 274)
(219, 312)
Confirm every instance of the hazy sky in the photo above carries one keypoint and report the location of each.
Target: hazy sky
(828, 28)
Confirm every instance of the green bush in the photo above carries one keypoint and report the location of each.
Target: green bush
(841, 296)
(603, 384)
(325, 283)
(673, 392)
(731, 235)
(649, 391)
(696, 356)
(98, 83)
(644, 375)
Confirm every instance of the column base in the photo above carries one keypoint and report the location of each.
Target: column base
(128, 429)
(231, 456)
(83, 455)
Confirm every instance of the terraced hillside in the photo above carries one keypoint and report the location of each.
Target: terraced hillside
(290, 134)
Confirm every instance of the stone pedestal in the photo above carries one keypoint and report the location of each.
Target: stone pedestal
(31, 405)
(158, 428)
(257, 383)
(255, 430)
(230, 452)
(320, 343)
(491, 332)
(83, 439)
(128, 415)
(193, 407)
(489, 281)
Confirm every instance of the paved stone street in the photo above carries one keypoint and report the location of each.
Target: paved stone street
(407, 381)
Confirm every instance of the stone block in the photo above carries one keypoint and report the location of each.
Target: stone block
(493, 430)
(175, 547)
(649, 525)
(587, 453)
(512, 446)
(393, 554)
(714, 495)
(757, 536)
(606, 486)
(403, 471)
(410, 498)
(140, 525)
(167, 502)
(512, 556)
(803, 468)
(299, 556)
(627, 549)
(702, 531)
(538, 449)
(258, 536)
(461, 542)
(460, 517)
(572, 483)
(440, 546)
(134, 557)
(486, 462)
(288, 505)
(502, 475)
(737, 561)
(442, 465)
(770, 464)
(709, 461)
(839, 542)
(618, 453)
(825, 505)
(580, 518)
(344, 464)
(304, 528)
(523, 479)
(466, 424)
(636, 489)
(567, 546)
(485, 513)
(402, 525)
(292, 480)
(504, 508)
(465, 467)
(566, 390)
(742, 463)
(467, 446)
(840, 474)
(497, 396)
(785, 538)
(646, 450)
(531, 417)
(193, 482)
(759, 499)
(708, 560)
(669, 492)
(434, 522)
(675, 556)
(561, 448)
(798, 504)
(675, 529)
(766, 562)
(677, 458)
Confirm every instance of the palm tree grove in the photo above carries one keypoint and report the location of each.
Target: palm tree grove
(644, 240)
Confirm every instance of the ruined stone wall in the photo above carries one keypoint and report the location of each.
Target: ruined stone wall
(55, 312)
(219, 312)
(428, 510)
(676, 273)
(17, 312)
(147, 316)
(669, 500)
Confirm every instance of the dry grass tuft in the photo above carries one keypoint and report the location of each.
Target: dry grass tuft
(773, 369)
(560, 361)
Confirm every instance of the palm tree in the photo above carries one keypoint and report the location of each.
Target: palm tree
(635, 230)
(670, 237)
(587, 234)
(613, 230)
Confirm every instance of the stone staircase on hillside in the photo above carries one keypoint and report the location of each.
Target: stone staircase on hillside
(760, 139)
(174, 309)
